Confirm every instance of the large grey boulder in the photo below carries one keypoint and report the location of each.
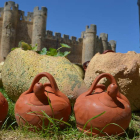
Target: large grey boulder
(124, 67)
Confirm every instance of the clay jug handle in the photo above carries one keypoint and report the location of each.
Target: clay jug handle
(98, 78)
(47, 75)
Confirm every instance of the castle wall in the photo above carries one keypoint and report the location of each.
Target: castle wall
(49, 43)
(75, 55)
(75, 50)
(24, 32)
(15, 26)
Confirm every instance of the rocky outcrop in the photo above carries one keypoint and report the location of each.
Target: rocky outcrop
(21, 67)
(124, 67)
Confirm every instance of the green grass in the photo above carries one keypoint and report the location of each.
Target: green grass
(10, 129)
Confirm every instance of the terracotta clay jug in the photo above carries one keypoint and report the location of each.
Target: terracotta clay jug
(37, 98)
(3, 108)
(115, 106)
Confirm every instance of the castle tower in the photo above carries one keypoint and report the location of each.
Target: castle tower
(10, 18)
(89, 43)
(113, 45)
(139, 15)
(104, 38)
(39, 26)
(99, 46)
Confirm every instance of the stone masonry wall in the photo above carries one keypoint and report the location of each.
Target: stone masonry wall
(76, 49)
(24, 32)
(54, 41)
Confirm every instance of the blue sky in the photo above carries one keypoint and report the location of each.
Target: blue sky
(118, 18)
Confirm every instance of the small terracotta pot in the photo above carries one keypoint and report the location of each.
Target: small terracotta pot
(115, 105)
(3, 108)
(106, 51)
(85, 65)
(31, 103)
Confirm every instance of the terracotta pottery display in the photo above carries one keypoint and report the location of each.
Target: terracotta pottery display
(85, 65)
(115, 105)
(3, 108)
(37, 98)
(106, 51)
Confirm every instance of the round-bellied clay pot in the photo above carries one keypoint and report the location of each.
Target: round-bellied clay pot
(3, 108)
(114, 107)
(39, 99)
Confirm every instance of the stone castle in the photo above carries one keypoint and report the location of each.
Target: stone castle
(15, 26)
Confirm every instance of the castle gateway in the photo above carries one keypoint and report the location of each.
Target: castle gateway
(15, 26)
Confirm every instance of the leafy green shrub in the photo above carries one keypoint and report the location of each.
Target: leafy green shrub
(44, 51)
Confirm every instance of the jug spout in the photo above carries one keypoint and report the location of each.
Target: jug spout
(39, 97)
(112, 90)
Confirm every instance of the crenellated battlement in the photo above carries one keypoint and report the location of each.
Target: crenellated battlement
(104, 36)
(113, 44)
(98, 39)
(10, 5)
(92, 28)
(57, 35)
(80, 40)
(49, 34)
(22, 16)
(29, 17)
(82, 34)
(73, 38)
(42, 12)
(64, 38)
